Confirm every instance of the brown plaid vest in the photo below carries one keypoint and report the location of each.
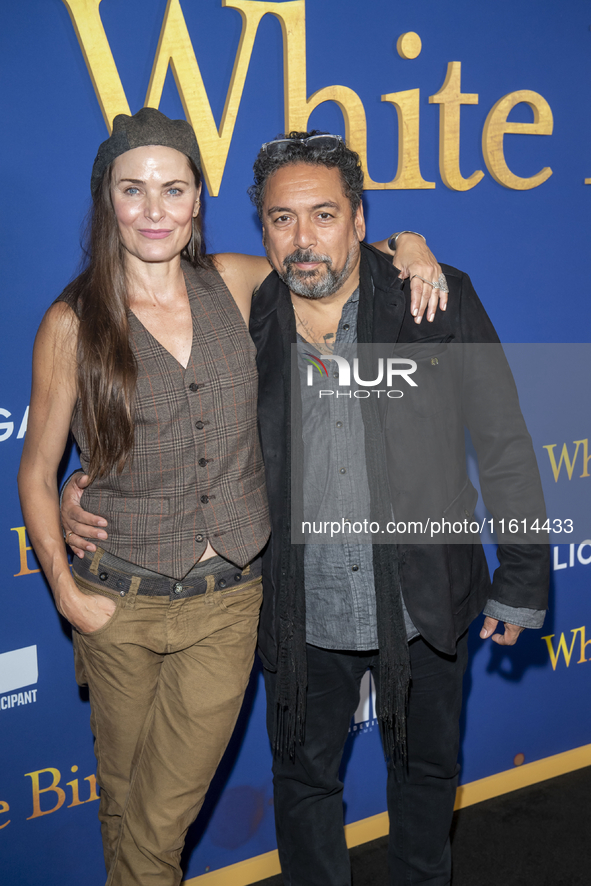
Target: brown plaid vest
(196, 474)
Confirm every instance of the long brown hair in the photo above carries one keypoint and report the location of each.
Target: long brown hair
(107, 370)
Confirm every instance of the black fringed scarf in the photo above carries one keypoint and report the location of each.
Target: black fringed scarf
(394, 663)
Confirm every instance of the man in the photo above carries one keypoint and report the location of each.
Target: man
(330, 613)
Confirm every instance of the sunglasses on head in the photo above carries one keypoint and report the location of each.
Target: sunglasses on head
(325, 140)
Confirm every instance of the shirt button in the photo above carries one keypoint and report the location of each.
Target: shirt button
(202, 462)
(199, 425)
(346, 327)
(335, 375)
(355, 568)
(193, 386)
(204, 499)
(343, 471)
(339, 424)
(178, 588)
(198, 538)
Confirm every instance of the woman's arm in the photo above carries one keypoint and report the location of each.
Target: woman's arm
(415, 260)
(243, 274)
(53, 397)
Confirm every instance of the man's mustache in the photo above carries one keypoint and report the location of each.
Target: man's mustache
(301, 255)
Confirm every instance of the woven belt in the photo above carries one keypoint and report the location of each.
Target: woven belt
(120, 582)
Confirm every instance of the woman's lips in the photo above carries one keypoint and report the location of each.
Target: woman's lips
(154, 235)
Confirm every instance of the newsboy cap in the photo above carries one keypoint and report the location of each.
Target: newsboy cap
(147, 127)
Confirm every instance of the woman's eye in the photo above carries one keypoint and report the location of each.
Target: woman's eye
(174, 192)
(132, 191)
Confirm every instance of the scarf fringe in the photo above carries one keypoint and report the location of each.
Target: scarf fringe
(394, 660)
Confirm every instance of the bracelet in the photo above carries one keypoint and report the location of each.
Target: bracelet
(392, 240)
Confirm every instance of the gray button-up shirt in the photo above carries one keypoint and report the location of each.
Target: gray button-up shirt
(339, 579)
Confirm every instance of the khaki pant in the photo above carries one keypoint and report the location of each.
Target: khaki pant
(166, 681)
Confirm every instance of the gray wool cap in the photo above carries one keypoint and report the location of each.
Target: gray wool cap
(147, 127)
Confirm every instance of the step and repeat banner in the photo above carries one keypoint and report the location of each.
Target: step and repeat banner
(474, 126)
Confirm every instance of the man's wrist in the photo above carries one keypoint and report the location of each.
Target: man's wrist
(392, 240)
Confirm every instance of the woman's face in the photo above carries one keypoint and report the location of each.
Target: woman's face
(155, 200)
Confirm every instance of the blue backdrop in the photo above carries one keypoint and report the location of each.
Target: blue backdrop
(526, 250)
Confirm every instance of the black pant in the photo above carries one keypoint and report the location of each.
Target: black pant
(308, 791)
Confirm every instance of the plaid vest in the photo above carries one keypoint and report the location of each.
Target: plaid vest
(196, 473)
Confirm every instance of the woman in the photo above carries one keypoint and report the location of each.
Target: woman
(147, 358)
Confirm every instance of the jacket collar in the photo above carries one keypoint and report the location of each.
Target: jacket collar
(273, 295)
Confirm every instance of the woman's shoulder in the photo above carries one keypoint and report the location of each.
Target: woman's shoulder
(56, 340)
(60, 322)
(225, 287)
(70, 297)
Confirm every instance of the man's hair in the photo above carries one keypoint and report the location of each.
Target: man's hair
(341, 158)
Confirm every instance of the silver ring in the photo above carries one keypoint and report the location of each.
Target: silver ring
(71, 532)
(441, 284)
(428, 282)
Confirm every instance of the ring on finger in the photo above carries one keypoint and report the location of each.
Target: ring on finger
(440, 283)
(428, 282)
(71, 532)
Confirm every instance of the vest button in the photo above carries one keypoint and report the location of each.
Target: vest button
(178, 588)
(104, 576)
(204, 499)
(198, 538)
(193, 387)
(199, 425)
(355, 568)
(222, 583)
(238, 576)
(202, 462)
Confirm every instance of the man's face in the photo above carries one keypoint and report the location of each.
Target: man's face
(309, 232)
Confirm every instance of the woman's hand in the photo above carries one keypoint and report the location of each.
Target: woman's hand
(85, 612)
(415, 260)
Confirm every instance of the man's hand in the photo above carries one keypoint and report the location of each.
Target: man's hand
(77, 522)
(415, 260)
(509, 638)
